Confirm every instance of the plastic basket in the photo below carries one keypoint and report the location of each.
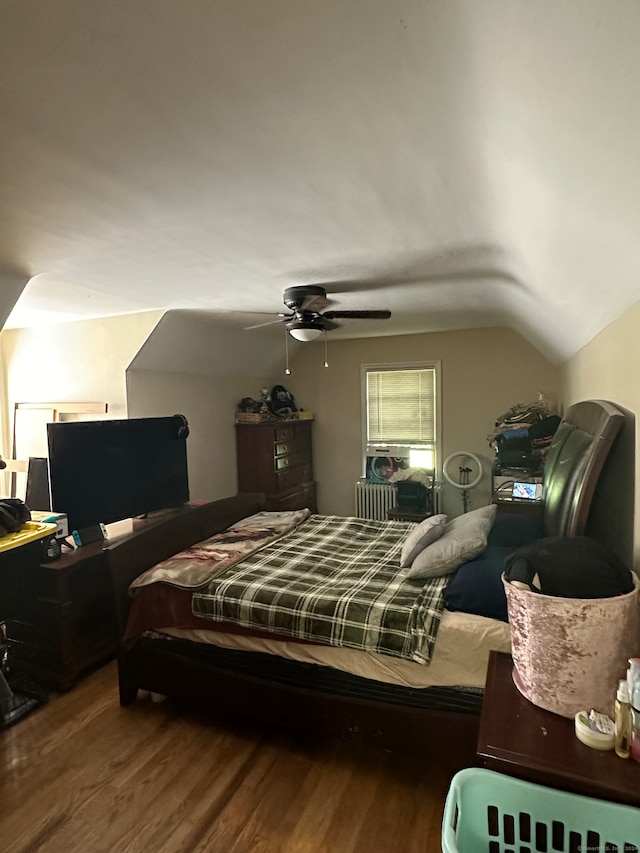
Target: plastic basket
(486, 812)
(29, 532)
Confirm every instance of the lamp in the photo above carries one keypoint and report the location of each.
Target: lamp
(304, 331)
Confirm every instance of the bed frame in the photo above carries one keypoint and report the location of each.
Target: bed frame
(298, 696)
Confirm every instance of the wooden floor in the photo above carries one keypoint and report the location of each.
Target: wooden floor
(82, 775)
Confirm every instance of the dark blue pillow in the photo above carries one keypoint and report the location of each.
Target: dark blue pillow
(477, 588)
(515, 529)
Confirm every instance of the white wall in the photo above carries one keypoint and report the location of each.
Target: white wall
(606, 368)
(209, 404)
(72, 362)
(484, 373)
(201, 342)
(201, 370)
(192, 364)
(75, 361)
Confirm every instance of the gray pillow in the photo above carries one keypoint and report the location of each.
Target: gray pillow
(463, 539)
(424, 534)
(487, 512)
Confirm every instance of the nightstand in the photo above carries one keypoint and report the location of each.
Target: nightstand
(535, 509)
(401, 513)
(520, 739)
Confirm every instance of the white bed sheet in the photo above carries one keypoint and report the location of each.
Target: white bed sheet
(460, 656)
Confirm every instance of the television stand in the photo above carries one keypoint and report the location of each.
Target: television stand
(74, 617)
(73, 623)
(159, 514)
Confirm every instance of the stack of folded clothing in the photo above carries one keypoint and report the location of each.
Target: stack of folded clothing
(521, 437)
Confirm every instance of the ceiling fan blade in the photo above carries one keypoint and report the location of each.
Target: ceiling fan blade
(316, 302)
(281, 318)
(329, 324)
(358, 315)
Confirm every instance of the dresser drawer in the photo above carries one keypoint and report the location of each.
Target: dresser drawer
(304, 497)
(284, 433)
(296, 456)
(300, 444)
(291, 477)
(281, 463)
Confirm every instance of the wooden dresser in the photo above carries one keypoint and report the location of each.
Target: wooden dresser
(275, 457)
(65, 621)
(59, 615)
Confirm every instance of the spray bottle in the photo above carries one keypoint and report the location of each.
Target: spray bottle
(633, 677)
(623, 720)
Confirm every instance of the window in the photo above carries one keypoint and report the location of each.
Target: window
(400, 411)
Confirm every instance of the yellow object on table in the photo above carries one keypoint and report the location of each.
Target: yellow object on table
(29, 532)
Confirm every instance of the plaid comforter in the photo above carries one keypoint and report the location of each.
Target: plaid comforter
(334, 581)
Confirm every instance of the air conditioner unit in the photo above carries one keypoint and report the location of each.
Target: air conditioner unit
(382, 462)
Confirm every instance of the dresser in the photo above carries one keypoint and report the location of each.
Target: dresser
(275, 457)
(60, 615)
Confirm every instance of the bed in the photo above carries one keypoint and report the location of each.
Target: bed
(391, 699)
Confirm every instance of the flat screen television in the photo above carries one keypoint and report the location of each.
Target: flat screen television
(106, 471)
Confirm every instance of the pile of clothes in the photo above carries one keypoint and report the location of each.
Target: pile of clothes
(522, 436)
(278, 402)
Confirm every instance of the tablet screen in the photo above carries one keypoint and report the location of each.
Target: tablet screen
(524, 491)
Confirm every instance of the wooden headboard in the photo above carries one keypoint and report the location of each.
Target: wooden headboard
(574, 462)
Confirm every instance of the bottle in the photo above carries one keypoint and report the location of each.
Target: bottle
(633, 677)
(623, 720)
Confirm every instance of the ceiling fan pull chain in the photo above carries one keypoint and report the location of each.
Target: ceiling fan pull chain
(286, 352)
(326, 346)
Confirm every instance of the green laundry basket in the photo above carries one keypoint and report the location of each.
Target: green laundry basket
(487, 812)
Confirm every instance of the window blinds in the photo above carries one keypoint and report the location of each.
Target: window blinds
(401, 406)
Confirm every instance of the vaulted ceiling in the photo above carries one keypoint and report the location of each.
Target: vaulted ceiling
(464, 163)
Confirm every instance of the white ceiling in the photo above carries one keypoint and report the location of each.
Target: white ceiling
(461, 163)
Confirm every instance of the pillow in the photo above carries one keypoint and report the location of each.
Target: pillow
(514, 529)
(477, 586)
(463, 539)
(483, 513)
(424, 534)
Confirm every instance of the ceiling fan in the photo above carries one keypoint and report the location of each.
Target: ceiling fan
(307, 318)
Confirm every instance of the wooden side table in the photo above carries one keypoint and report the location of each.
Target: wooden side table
(401, 513)
(520, 739)
(522, 507)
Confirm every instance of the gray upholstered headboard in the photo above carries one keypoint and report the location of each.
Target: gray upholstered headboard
(574, 462)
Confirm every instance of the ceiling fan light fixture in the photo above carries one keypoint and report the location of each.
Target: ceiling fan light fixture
(308, 319)
(305, 332)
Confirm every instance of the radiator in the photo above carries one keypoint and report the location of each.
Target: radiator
(374, 499)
